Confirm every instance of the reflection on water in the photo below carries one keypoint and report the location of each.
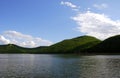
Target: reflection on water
(58, 66)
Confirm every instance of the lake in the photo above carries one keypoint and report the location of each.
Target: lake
(59, 66)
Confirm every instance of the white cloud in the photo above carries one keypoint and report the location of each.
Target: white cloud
(3, 40)
(71, 5)
(100, 6)
(15, 34)
(98, 25)
(23, 40)
(94, 24)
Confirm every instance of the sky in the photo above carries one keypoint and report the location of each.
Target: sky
(33, 23)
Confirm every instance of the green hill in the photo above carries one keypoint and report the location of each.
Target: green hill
(82, 45)
(11, 48)
(108, 46)
(70, 45)
(73, 45)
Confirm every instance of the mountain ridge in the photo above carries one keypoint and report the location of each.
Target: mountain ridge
(65, 46)
(110, 45)
(84, 45)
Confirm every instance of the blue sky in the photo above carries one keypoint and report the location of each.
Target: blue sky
(32, 23)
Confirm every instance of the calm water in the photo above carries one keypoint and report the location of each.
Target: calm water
(58, 66)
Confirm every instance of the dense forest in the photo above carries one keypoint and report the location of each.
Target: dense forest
(81, 45)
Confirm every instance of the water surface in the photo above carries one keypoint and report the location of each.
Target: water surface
(58, 66)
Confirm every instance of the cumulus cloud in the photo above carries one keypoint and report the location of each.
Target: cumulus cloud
(100, 6)
(14, 37)
(98, 25)
(71, 5)
(3, 40)
(95, 24)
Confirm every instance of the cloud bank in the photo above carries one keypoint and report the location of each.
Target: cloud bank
(95, 24)
(98, 25)
(14, 37)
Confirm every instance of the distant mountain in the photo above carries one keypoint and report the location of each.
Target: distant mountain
(71, 45)
(108, 46)
(11, 48)
(82, 45)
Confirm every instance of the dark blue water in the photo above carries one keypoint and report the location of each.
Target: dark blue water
(58, 66)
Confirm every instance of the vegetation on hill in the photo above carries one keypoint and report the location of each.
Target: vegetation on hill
(11, 48)
(82, 45)
(69, 45)
(108, 46)
(65, 46)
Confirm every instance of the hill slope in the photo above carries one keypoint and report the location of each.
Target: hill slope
(69, 45)
(73, 45)
(11, 48)
(108, 46)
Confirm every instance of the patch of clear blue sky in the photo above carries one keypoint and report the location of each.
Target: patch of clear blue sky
(47, 18)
